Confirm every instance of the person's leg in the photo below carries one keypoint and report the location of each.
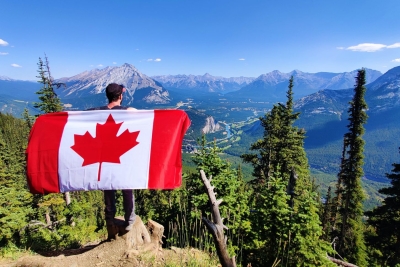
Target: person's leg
(110, 209)
(129, 207)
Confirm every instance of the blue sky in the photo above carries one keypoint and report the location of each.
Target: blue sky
(223, 38)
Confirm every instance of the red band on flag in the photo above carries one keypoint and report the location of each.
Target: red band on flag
(43, 161)
(166, 160)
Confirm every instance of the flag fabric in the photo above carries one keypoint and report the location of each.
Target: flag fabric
(106, 149)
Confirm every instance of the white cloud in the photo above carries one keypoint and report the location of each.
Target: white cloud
(16, 65)
(157, 59)
(3, 43)
(369, 47)
(340, 47)
(242, 59)
(114, 63)
(3, 53)
(366, 47)
(150, 59)
(396, 45)
(396, 60)
(100, 65)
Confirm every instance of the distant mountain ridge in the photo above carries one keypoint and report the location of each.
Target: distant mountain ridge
(382, 94)
(324, 115)
(272, 86)
(204, 83)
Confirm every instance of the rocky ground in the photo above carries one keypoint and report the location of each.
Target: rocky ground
(139, 247)
(114, 253)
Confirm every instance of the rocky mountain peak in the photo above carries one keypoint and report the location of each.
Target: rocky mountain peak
(95, 81)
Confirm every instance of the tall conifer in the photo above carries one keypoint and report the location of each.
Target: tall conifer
(286, 226)
(351, 243)
(49, 101)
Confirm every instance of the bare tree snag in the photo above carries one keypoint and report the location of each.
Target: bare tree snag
(341, 263)
(67, 198)
(217, 227)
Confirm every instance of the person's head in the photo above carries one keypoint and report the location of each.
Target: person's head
(114, 92)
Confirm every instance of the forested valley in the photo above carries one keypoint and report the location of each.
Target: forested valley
(278, 218)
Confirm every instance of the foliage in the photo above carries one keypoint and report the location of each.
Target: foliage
(14, 198)
(349, 192)
(49, 101)
(282, 144)
(229, 186)
(40, 222)
(385, 220)
(286, 224)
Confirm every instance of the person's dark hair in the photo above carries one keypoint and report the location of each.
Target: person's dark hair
(113, 91)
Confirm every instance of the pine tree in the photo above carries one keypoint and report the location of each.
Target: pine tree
(15, 199)
(286, 226)
(29, 120)
(229, 186)
(350, 195)
(326, 217)
(386, 222)
(49, 101)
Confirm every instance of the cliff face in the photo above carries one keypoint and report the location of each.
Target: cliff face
(211, 126)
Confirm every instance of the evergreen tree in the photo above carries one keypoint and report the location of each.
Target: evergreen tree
(282, 144)
(286, 225)
(15, 199)
(229, 186)
(326, 217)
(49, 101)
(50, 206)
(351, 243)
(386, 222)
(29, 120)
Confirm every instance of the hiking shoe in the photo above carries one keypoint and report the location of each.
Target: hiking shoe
(129, 227)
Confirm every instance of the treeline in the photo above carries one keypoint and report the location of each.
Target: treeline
(276, 219)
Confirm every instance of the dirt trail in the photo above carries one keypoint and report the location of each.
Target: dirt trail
(114, 253)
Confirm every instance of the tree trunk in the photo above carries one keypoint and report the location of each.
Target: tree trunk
(67, 198)
(216, 228)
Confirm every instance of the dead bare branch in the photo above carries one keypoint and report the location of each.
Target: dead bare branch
(217, 227)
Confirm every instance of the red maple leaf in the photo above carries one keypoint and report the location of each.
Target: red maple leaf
(106, 146)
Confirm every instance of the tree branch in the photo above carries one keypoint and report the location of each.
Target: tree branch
(217, 227)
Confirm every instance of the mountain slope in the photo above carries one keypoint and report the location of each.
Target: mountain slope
(140, 88)
(272, 86)
(324, 117)
(204, 83)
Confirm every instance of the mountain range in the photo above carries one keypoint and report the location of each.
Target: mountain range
(324, 117)
(322, 98)
(203, 83)
(272, 86)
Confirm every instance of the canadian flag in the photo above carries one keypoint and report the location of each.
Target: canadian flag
(106, 149)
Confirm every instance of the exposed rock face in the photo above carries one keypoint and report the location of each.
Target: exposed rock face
(95, 81)
(211, 126)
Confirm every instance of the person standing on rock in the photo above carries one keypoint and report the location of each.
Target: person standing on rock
(114, 93)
